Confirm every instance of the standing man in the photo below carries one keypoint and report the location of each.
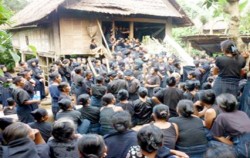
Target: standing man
(133, 85)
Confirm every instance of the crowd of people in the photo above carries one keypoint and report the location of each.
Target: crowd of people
(145, 106)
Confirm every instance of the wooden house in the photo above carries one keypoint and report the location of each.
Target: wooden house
(65, 27)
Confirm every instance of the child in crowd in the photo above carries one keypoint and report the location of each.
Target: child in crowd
(11, 108)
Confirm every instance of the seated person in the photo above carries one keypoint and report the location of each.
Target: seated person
(90, 113)
(92, 146)
(45, 128)
(63, 143)
(21, 141)
(68, 112)
(11, 108)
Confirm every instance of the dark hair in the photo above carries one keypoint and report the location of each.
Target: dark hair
(192, 73)
(229, 47)
(189, 85)
(121, 121)
(161, 111)
(207, 96)
(122, 95)
(83, 99)
(62, 85)
(10, 101)
(17, 79)
(171, 81)
(227, 102)
(185, 108)
(78, 70)
(99, 79)
(38, 114)
(143, 92)
(5, 122)
(63, 129)
(150, 138)
(54, 75)
(206, 86)
(15, 131)
(91, 146)
(64, 104)
(107, 99)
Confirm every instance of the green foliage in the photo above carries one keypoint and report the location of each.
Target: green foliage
(245, 25)
(8, 56)
(33, 50)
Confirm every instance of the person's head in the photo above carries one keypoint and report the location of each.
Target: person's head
(64, 87)
(206, 86)
(84, 99)
(161, 112)
(150, 138)
(92, 146)
(16, 131)
(78, 70)
(5, 122)
(207, 96)
(63, 130)
(122, 95)
(88, 75)
(65, 104)
(229, 47)
(227, 102)
(55, 77)
(185, 108)
(26, 74)
(11, 102)
(108, 99)
(128, 74)
(19, 81)
(121, 121)
(190, 85)
(40, 115)
(191, 75)
(143, 92)
(112, 74)
(171, 81)
(154, 70)
(99, 80)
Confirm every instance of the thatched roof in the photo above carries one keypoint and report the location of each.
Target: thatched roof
(40, 9)
(35, 11)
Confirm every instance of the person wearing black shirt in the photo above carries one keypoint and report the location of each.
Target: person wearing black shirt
(228, 68)
(90, 113)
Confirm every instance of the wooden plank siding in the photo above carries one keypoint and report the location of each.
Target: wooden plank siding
(74, 35)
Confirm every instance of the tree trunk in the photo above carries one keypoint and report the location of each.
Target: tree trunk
(233, 31)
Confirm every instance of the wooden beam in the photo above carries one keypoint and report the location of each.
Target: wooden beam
(131, 30)
(113, 27)
(92, 67)
(56, 35)
(145, 20)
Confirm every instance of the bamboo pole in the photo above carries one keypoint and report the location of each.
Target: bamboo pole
(92, 67)
(106, 44)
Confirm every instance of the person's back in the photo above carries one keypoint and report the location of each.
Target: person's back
(142, 111)
(90, 113)
(119, 143)
(172, 96)
(188, 128)
(71, 114)
(45, 129)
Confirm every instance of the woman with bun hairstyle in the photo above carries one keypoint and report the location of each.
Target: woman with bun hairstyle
(192, 137)
(170, 130)
(92, 146)
(119, 142)
(228, 68)
(150, 145)
(108, 109)
(232, 123)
